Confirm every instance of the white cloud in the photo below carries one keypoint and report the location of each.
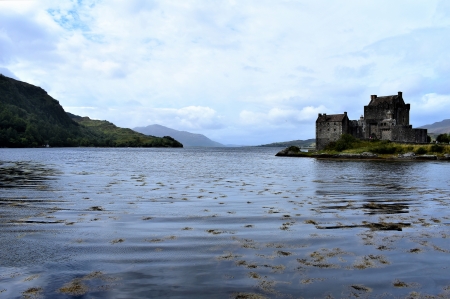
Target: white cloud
(281, 117)
(192, 118)
(434, 103)
(227, 67)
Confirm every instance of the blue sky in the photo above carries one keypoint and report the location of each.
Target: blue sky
(240, 72)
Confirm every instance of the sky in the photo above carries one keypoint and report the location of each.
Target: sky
(245, 72)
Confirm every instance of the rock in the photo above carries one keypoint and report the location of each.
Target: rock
(407, 155)
(291, 152)
(283, 152)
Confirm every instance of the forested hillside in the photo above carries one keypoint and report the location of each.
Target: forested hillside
(116, 136)
(29, 117)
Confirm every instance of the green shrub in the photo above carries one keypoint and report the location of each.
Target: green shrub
(346, 141)
(421, 151)
(330, 146)
(436, 148)
(385, 149)
(294, 149)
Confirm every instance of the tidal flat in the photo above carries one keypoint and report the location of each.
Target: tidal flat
(220, 223)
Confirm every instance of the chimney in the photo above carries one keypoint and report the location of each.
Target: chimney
(320, 114)
(399, 94)
(372, 97)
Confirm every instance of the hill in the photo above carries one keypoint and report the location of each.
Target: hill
(299, 143)
(441, 127)
(29, 117)
(188, 139)
(115, 136)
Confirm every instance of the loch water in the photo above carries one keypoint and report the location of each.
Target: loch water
(220, 223)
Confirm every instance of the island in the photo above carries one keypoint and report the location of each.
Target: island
(383, 132)
(349, 147)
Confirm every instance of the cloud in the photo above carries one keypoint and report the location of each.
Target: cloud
(281, 117)
(251, 69)
(27, 37)
(192, 118)
(433, 103)
(304, 69)
(354, 72)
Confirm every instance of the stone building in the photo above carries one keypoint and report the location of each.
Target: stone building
(385, 118)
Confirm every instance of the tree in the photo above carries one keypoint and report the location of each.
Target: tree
(443, 138)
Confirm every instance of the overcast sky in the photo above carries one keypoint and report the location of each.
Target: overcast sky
(241, 72)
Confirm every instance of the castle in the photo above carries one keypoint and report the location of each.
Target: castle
(385, 118)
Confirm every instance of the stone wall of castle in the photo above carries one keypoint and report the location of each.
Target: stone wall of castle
(330, 129)
(408, 134)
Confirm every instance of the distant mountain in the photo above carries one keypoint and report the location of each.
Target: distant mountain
(186, 138)
(116, 136)
(440, 127)
(29, 117)
(301, 143)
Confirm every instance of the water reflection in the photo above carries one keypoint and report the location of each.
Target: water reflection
(21, 174)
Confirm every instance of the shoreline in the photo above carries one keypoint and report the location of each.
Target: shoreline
(363, 156)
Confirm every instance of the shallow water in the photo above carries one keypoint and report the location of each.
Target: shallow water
(220, 222)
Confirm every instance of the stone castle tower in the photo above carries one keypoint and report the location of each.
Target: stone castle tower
(385, 118)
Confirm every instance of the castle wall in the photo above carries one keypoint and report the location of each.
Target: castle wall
(328, 131)
(386, 134)
(402, 115)
(375, 113)
(421, 135)
(408, 134)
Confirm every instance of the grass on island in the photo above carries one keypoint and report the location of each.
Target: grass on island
(383, 148)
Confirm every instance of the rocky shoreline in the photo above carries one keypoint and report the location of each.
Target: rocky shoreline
(287, 152)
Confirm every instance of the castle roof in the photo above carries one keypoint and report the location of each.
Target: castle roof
(394, 99)
(331, 117)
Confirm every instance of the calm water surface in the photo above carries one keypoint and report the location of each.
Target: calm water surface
(220, 223)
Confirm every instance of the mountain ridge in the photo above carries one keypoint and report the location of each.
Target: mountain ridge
(440, 127)
(188, 139)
